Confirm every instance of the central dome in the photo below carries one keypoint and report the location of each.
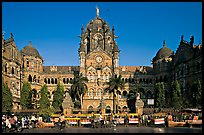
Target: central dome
(163, 52)
(30, 51)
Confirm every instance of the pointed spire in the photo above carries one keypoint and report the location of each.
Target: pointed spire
(182, 38)
(164, 43)
(97, 11)
(82, 29)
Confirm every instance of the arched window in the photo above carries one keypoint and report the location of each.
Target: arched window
(142, 93)
(45, 80)
(12, 70)
(90, 109)
(30, 78)
(27, 63)
(6, 68)
(126, 80)
(67, 80)
(52, 81)
(34, 78)
(124, 94)
(39, 79)
(149, 95)
(129, 80)
(48, 81)
(55, 80)
(108, 109)
(64, 80)
(34, 93)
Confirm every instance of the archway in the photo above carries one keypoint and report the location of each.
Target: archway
(149, 95)
(30, 78)
(108, 109)
(90, 109)
(124, 109)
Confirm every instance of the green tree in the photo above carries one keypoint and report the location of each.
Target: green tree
(26, 96)
(78, 88)
(131, 99)
(159, 93)
(196, 91)
(176, 95)
(113, 87)
(58, 96)
(7, 98)
(44, 101)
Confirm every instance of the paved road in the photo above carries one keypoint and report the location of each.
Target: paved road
(116, 130)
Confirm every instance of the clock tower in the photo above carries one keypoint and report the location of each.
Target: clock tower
(98, 54)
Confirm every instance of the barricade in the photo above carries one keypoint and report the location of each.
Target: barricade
(159, 121)
(133, 120)
(85, 121)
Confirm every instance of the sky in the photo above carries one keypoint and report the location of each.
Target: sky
(54, 27)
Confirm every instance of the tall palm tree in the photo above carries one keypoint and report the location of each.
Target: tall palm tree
(79, 87)
(113, 85)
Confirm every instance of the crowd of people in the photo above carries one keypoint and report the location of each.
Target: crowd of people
(31, 121)
(12, 122)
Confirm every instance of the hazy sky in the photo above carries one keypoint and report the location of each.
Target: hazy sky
(54, 27)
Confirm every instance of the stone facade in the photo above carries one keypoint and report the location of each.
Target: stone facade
(99, 60)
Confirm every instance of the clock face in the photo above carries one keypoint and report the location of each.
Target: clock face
(99, 59)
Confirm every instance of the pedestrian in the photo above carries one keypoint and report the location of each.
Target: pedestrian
(101, 120)
(126, 120)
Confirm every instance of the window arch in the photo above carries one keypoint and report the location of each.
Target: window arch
(27, 63)
(64, 80)
(39, 79)
(142, 93)
(108, 109)
(90, 109)
(12, 70)
(30, 78)
(45, 80)
(34, 93)
(55, 80)
(48, 81)
(6, 67)
(52, 81)
(34, 78)
(149, 94)
(124, 94)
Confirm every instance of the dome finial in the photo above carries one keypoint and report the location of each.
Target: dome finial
(97, 11)
(30, 43)
(164, 43)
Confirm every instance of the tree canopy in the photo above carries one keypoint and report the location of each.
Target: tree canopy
(26, 96)
(7, 98)
(113, 87)
(78, 88)
(58, 96)
(44, 101)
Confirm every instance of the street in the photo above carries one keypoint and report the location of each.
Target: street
(130, 129)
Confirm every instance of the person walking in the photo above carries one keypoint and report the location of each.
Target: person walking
(126, 120)
(62, 121)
